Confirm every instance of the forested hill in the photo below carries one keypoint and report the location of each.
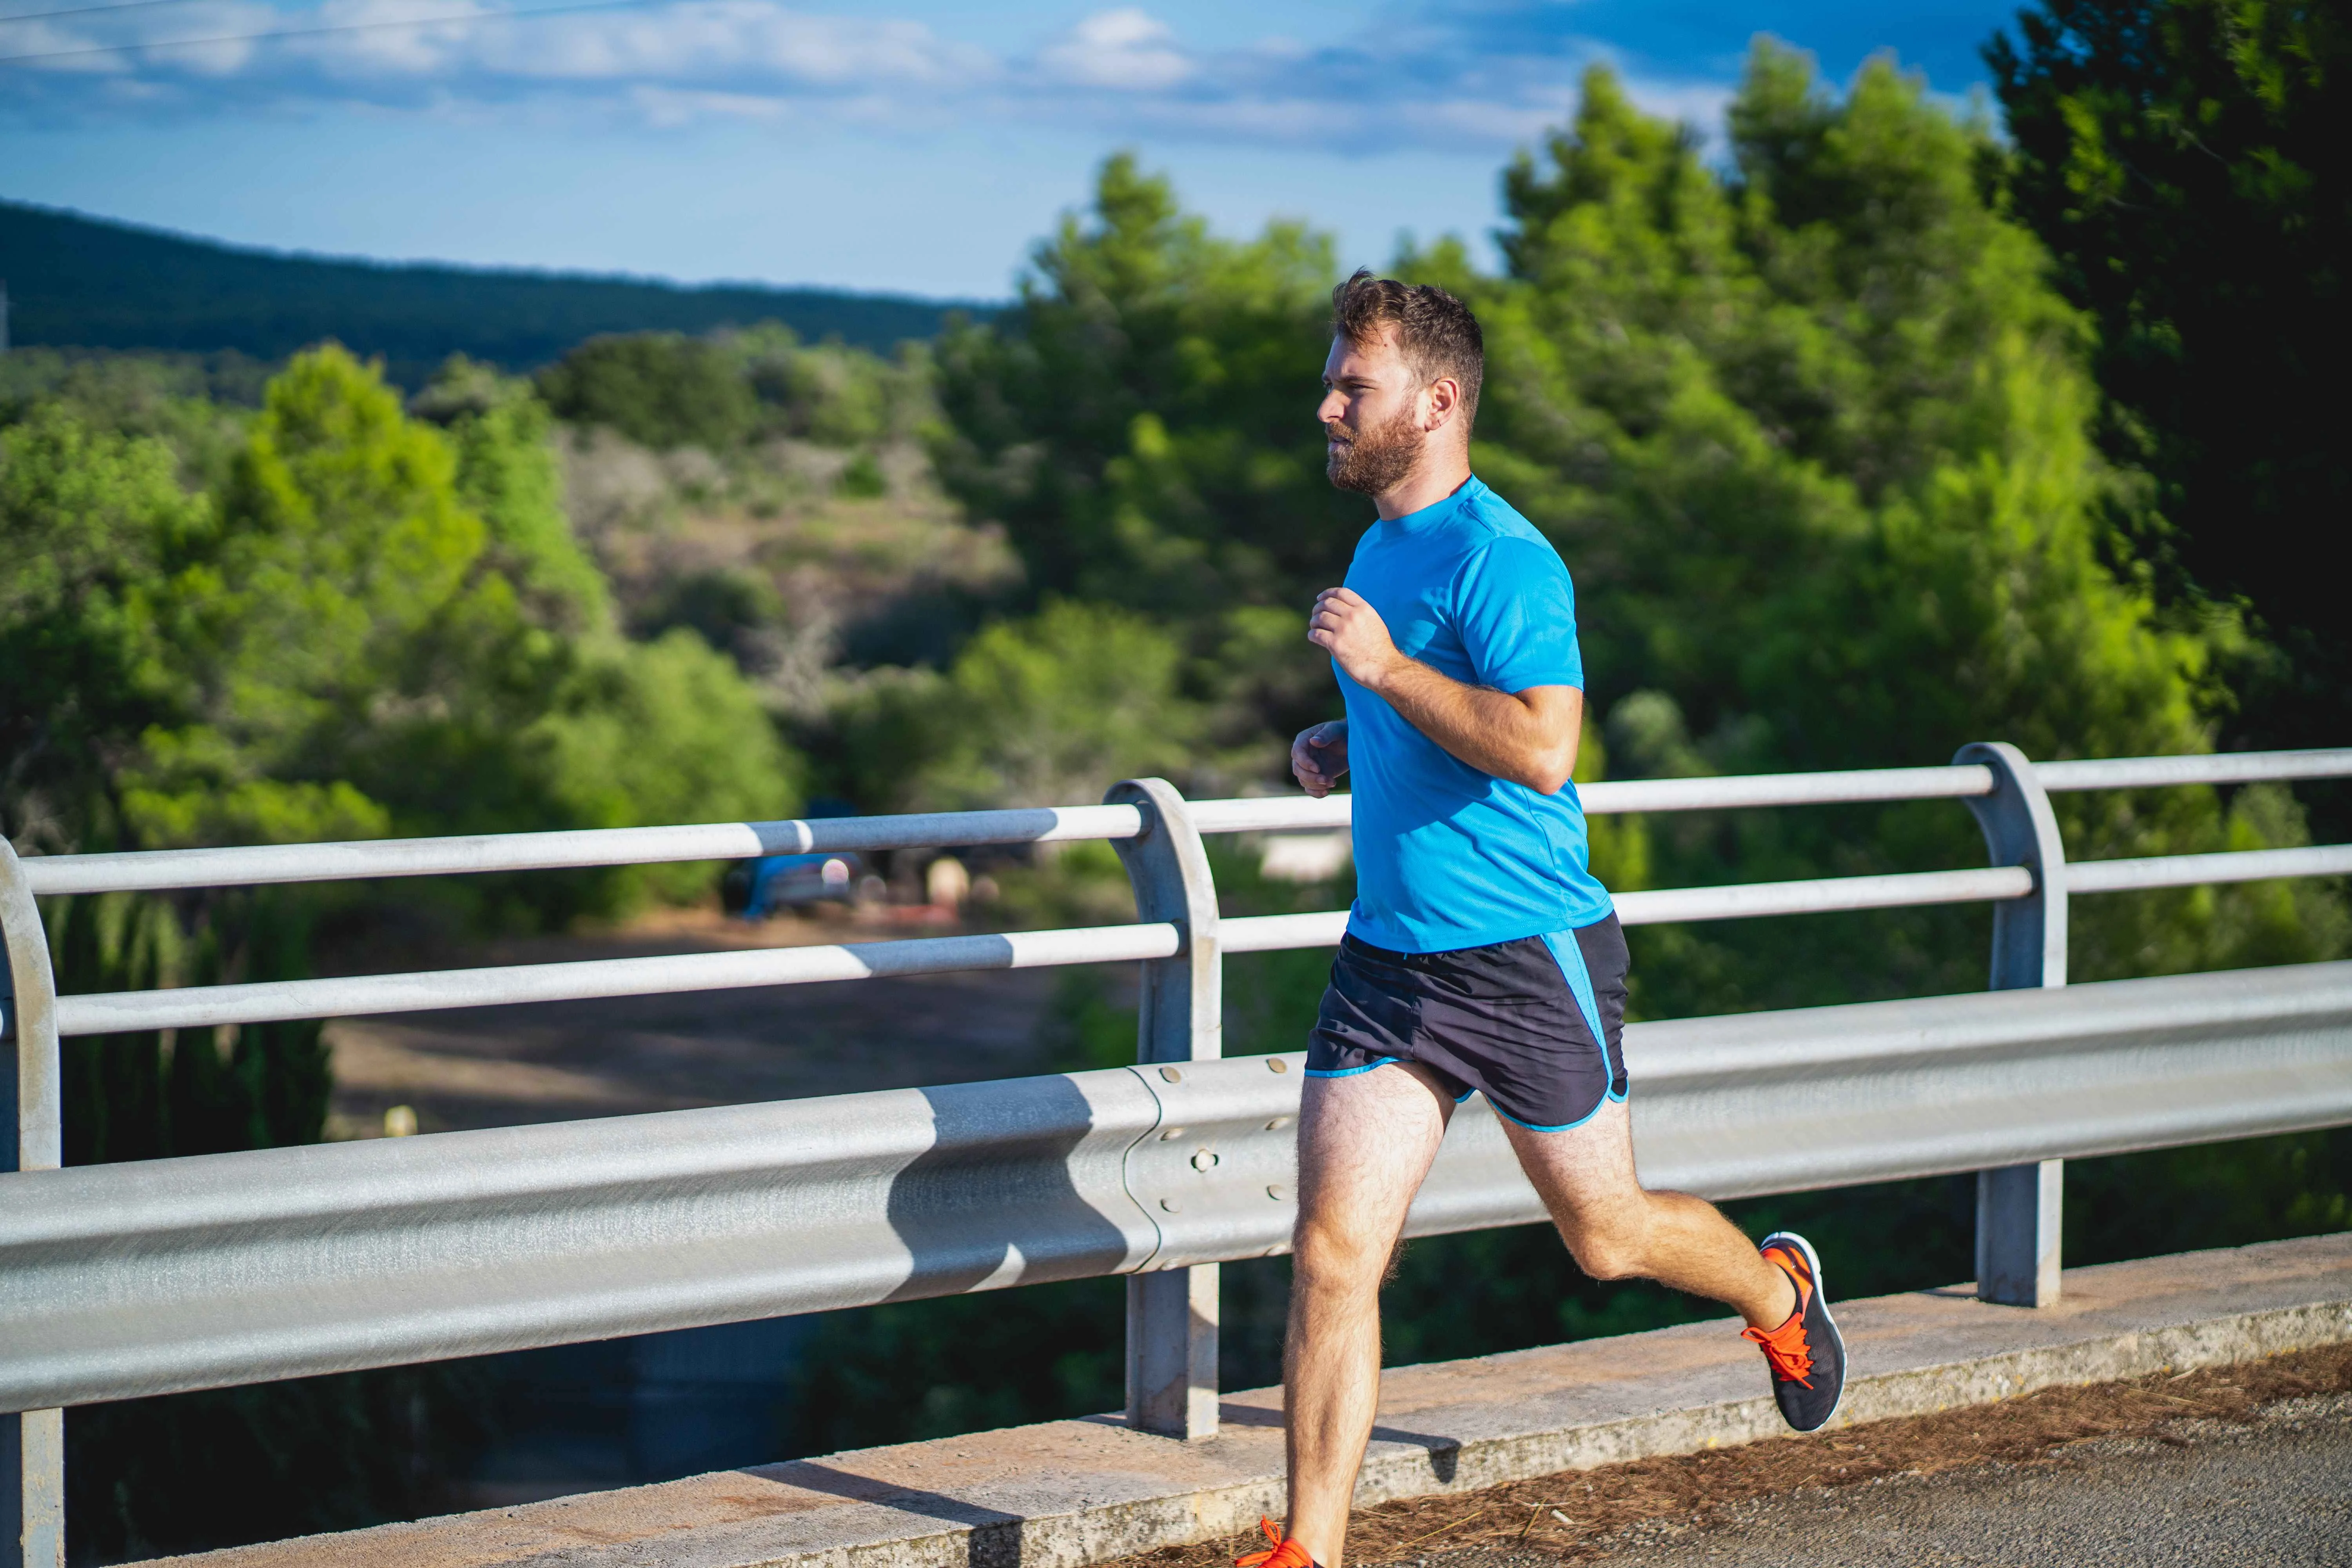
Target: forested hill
(75, 281)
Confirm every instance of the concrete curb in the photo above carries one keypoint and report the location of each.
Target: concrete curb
(1070, 1493)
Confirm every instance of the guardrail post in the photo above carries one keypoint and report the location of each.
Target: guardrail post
(1172, 1314)
(32, 1138)
(2020, 1207)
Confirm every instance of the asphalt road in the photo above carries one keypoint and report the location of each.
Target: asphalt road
(2278, 1492)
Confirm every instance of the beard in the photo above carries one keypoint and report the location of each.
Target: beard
(1377, 459)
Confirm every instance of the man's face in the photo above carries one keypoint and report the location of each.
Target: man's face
(1372, 416)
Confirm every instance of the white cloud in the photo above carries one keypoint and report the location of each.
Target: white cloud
(670, 107)
(84, 46)
(753, 42)
(1127, 50)
(1119, 72)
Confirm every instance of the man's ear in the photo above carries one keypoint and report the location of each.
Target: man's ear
(1444, 402)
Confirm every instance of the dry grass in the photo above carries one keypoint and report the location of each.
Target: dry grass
(1566, 1516)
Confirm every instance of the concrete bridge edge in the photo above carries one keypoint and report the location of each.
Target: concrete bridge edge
(1067, 1494)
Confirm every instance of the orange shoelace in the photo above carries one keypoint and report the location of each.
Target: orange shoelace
(1285, 1553)
(1786, 1349)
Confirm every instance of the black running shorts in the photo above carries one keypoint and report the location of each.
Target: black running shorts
(1536, 1025)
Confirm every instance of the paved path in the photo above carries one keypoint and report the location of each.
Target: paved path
(2278, 1492)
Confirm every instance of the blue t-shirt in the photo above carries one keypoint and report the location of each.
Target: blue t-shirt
(1447, 856)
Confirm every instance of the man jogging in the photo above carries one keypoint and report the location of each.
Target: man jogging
(1481, 955)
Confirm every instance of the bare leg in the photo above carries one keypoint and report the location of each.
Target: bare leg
(1619, 1231)
(1364, 1145)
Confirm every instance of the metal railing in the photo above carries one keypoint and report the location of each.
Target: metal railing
(160, 1275)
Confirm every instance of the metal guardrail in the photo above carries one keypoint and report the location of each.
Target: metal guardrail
(239, 1267)
(163, 1275)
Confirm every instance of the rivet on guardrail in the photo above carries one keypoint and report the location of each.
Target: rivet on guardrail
(1171, 1205)
(1173, 1133)
(1276, 1063)
(1279, 1193)
(1204, 1160)
(1173, 1075)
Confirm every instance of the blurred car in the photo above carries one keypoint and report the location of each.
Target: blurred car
(758, 888)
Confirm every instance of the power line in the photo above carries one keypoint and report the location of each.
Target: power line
(91, 10)
(321, 32)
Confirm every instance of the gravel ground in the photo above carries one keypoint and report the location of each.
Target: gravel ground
(2277, 1492)
(2250, 1463)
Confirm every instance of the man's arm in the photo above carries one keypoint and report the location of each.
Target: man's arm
(1528, 737)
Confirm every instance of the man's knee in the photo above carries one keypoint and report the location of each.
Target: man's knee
(1611, 1245)
(1609, 1257)
(1328, 1255)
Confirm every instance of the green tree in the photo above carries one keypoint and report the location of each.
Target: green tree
(93, 524)
(828, 393)
(659, 389)
(1142, 423)
(506, 473)
(1042, 711)
(1059, 708)
(2189, 164)
(389, 627)
(658, 732)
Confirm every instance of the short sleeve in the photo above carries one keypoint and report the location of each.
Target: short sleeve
(1514, 611)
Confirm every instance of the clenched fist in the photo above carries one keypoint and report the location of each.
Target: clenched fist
(1319, 756)
(1355, 636)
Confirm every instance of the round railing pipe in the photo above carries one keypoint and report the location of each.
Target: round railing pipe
(1669, 906)
(2193, 870)
(2219, 767)
(151, 871)
(1735, 791)
(354, 995)
(161, 869)
(122, 1012)
(1621, 797)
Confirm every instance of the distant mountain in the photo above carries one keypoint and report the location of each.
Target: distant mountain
(83, 282)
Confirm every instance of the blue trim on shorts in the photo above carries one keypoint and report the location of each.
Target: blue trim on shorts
(1564, 1127)
(1350, 1072)
(1568, 954)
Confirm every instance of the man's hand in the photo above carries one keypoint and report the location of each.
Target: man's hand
(1319, 756)
(1355, 636)
(1528, 737)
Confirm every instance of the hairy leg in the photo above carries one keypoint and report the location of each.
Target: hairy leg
(1364, 1145)
(1620, 1231)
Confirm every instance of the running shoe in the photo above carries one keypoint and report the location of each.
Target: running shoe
(1806, 1353)
(1285, 1554)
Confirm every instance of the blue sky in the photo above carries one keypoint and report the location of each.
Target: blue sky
(902, 144)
